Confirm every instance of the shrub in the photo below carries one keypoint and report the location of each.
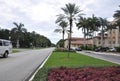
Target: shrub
(117, 49)
(85, 74)
(63, 50)
(89, 47)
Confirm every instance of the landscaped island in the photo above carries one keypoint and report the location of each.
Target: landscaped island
(77, 67)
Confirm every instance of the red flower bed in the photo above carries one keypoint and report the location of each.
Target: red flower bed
(85, 74)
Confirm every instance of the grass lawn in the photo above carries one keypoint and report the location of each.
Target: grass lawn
(58, 59)
(15, 51)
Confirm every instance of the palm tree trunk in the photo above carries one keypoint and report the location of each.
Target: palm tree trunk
(111, 38)
(119, 37)
(102, 36)
(63, 35)
(70, 36)
(93, 41)
(84, 39)
(17, 45)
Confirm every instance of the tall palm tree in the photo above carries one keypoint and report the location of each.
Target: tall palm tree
(71, 11)
(117, 14)
(94, 25)
(63, 29)
(117, 19)
(18, 30)
(82, 23)
(103, 24)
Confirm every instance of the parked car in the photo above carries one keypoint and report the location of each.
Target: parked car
(102, 49)
(78, 49)
(5, 47)
(112, 49)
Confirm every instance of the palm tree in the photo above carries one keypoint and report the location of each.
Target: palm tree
(71, 11)
(103, 24)
(117, 19)
(94, 25)
(18, 30)
(63, 29)
(82, 23)
(117, 14)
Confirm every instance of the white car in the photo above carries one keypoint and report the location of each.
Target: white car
(112, 49)
(5, 47)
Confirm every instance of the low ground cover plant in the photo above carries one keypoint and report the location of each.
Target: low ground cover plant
(85, 74)
(82, 62)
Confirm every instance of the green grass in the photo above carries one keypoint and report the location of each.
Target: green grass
(15, 51)
(58, 59)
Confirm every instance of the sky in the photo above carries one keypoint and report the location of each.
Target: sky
(40, 15)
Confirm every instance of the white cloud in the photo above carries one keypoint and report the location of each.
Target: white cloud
(41, 12)
(40, 15)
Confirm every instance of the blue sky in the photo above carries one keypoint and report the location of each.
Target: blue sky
(40, 15)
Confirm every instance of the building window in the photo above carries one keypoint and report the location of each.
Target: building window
(110, 42)
(99, 42)
(113, 31)
(113, 42)
(114, 37)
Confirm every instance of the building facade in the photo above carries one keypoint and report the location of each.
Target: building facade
(111, 39)
(75, 42)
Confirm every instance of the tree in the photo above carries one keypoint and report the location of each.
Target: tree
(117, 14)
(103, 25)
(63, 29)
(60, 43)
(82, 23)
(18, 31)
(117, 20)
(4, 34)
(94, 25)
(71, 11)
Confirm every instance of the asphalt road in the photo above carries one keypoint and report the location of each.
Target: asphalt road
(19, 66)
(112, 57)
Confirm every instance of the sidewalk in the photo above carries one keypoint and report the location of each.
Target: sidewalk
(105, 53)
(111, 57)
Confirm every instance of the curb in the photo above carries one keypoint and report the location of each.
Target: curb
(32, 75)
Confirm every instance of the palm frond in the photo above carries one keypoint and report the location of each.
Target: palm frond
(15, 24)
(60, 18)
(58, 30)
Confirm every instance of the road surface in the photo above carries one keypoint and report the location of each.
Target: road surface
(19, 66)
(112, 57)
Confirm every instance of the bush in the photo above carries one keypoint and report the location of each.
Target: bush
(88, 47)
(117, 49)
(85, 74)
(63, 50)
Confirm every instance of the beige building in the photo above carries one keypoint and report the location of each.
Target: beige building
(111, 39)
(75, 42)
(114, 38)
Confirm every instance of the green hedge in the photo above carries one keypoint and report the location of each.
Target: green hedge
(117, 49)
(63, 50)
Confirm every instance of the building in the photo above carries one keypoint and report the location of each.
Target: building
(111, 39)
(75, 42)
(114, 38)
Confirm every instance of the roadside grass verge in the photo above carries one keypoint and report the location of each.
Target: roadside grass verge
(60, 59)
(15, 51)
